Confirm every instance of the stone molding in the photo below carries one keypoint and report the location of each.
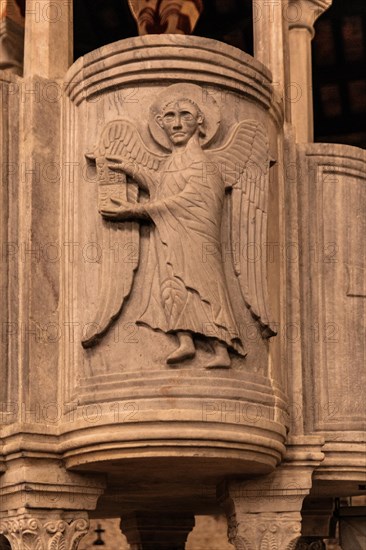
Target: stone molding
(44, 484)
(168, 58)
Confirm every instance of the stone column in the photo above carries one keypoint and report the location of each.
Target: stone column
(38, 530)
(11, 37)
(266, 513)
(48, 48)
(302, 15)
(160, 531)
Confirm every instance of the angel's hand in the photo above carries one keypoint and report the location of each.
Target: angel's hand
(123, 210)
(129, 167)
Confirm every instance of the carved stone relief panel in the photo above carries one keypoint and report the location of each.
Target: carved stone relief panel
(155, 265)
(165, 211)
(183, 295)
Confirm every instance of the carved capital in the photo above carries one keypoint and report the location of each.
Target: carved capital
(304, 13)
(31, 533)
(277, 531)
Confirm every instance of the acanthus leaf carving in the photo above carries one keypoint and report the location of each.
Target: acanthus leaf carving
(34, 534)
(276, 531)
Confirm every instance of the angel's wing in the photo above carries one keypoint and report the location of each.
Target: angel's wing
(121, 140)
(244, 163)
(119, 241)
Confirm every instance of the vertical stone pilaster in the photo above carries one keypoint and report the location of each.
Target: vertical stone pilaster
(270, 40)
(48, 46)
(44, 531)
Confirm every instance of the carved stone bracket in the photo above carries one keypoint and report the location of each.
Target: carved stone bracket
(266, 512)
(28, 532)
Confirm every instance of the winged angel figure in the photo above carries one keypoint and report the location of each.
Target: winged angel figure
(190, 192)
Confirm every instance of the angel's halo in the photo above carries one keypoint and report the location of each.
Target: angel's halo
(203, 100)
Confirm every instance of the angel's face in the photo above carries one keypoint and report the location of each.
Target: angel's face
(180, 120)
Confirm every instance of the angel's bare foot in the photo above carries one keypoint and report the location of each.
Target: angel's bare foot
(221, 359)
(185, 350)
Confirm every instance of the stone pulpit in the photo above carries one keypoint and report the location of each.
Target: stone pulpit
(183, 294)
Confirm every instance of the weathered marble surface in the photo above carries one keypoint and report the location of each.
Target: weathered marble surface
(167, 433)
(128, 361)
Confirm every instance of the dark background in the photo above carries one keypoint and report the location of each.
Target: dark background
(339, 60)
